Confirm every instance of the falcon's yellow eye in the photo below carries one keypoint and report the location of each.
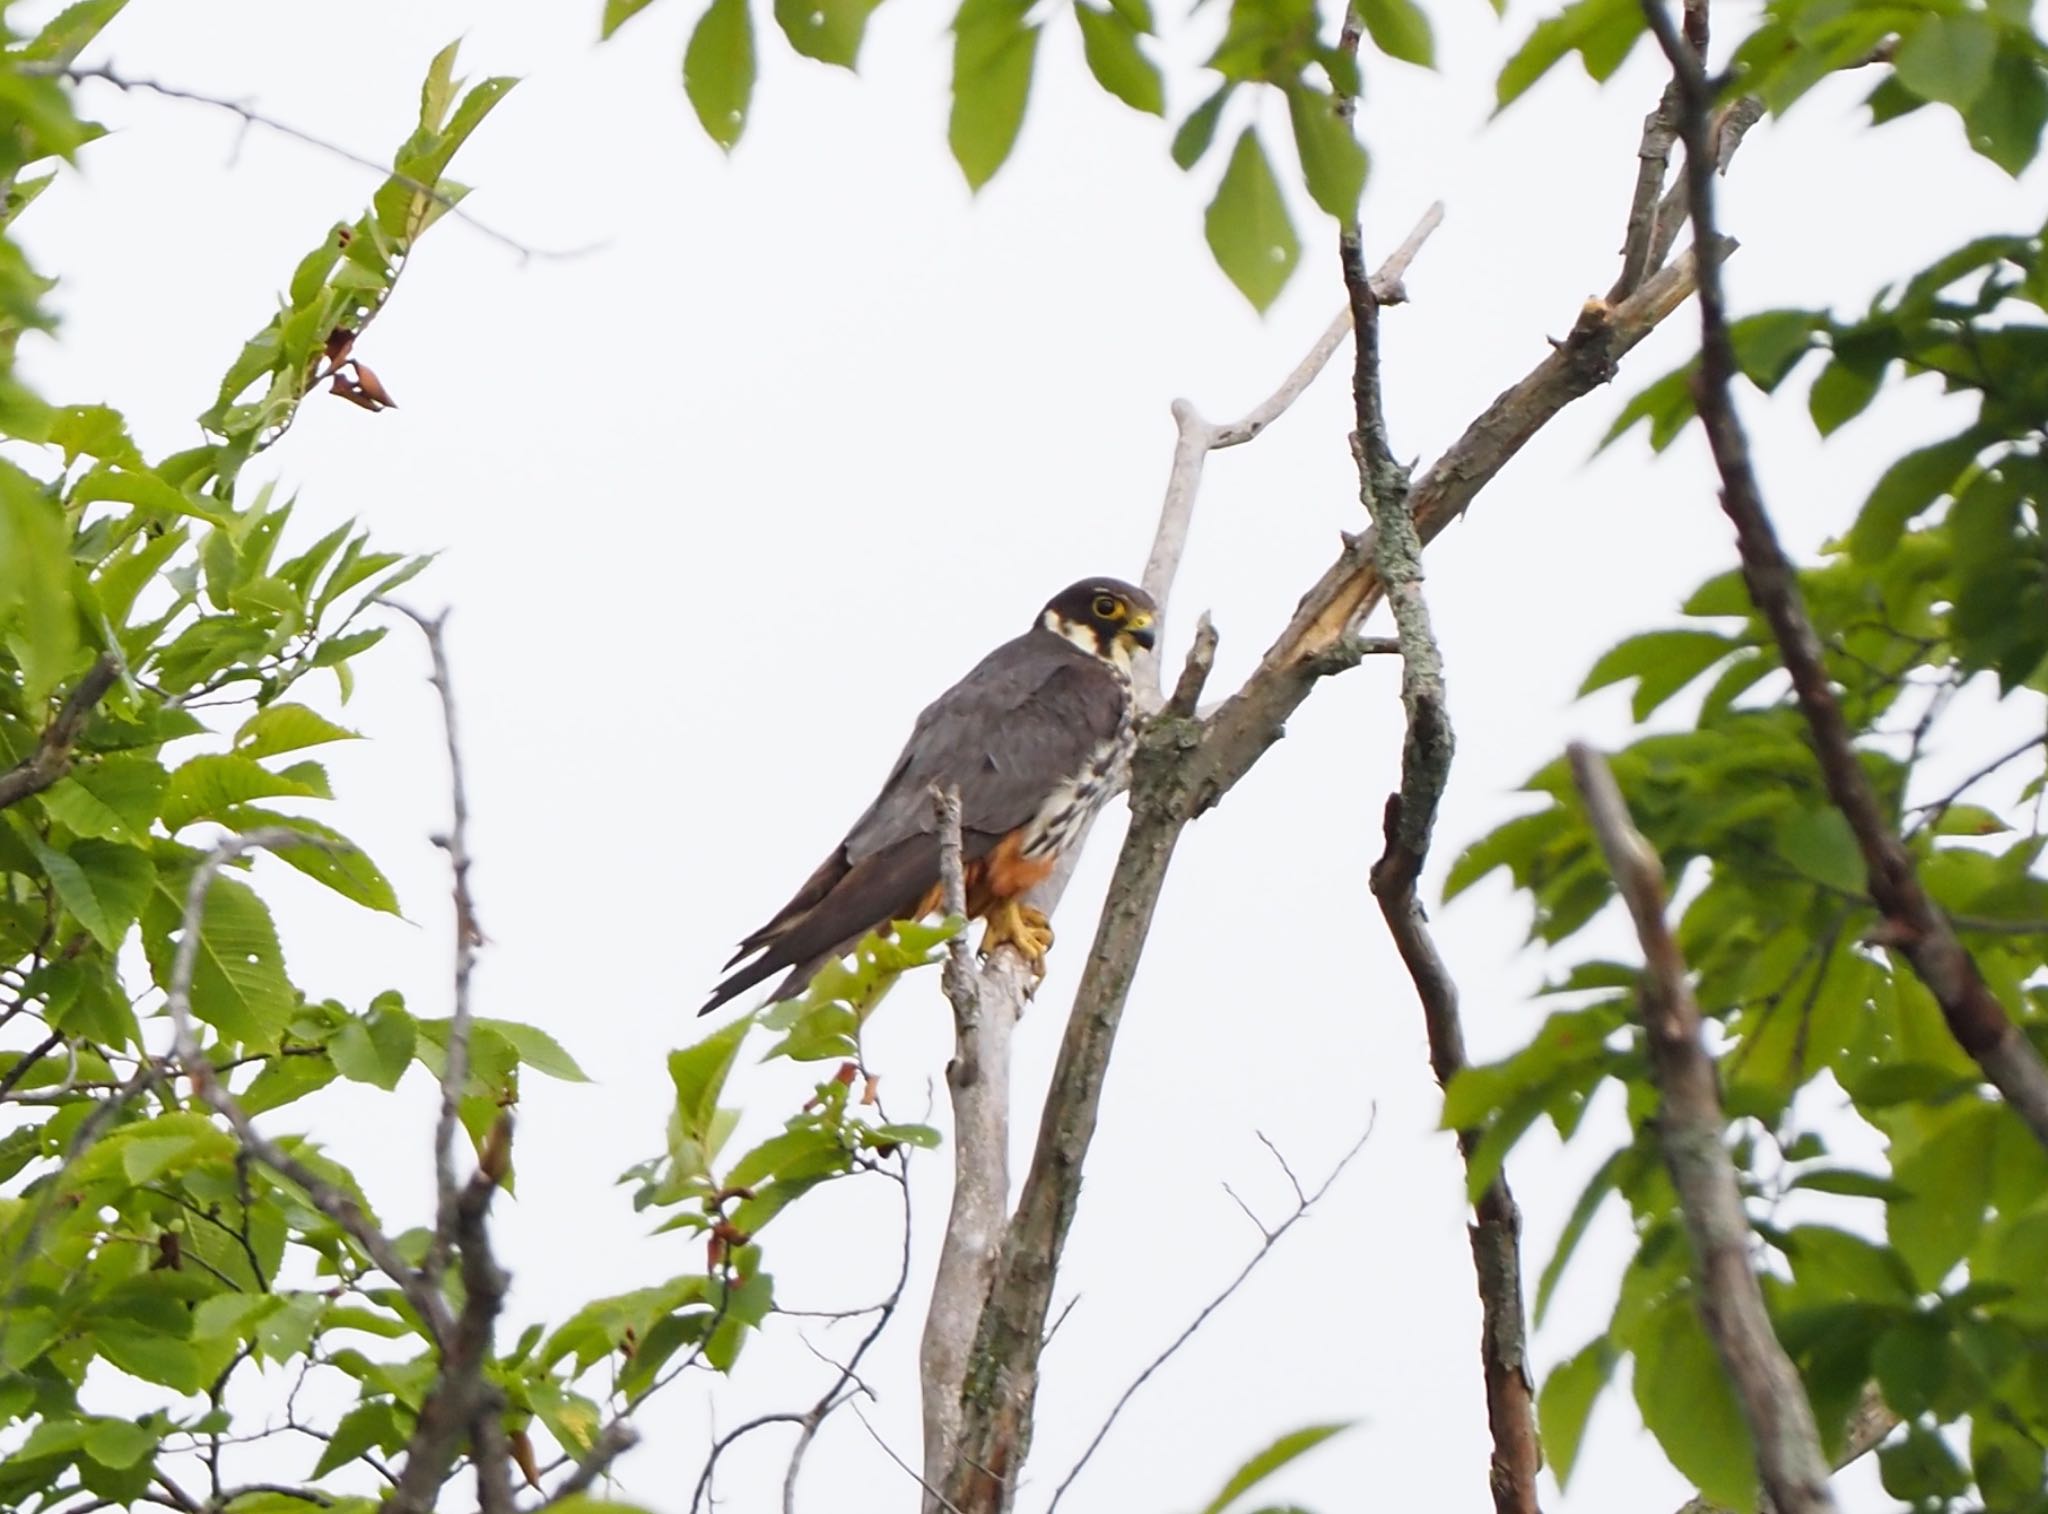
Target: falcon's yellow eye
(1108, 607)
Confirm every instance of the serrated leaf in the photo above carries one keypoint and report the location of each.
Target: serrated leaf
(207, 787)
(699, 1073)
(1332, 161)
(1603, 1182)
(113, 797)
(994, 49)
(239, 985)
(102, 883)
(1566, 1402)
(718, 70)
(1110, 44)
(1248, 228)
(329, 857)
(288, 728)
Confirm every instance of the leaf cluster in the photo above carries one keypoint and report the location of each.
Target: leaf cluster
(1924, 1273)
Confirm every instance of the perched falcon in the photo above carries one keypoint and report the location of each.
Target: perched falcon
(1030, 739)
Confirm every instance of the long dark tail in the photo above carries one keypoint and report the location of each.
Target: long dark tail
(881, 888)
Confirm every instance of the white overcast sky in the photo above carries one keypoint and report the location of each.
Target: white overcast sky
(723, 502)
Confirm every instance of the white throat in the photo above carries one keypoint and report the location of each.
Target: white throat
(1118, 656)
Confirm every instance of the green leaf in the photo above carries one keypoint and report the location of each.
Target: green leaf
(2005, 122)
(1664, 662)
(1947, 58)
(1332, 160)
(102, 883)
(369, 1426)
(1192, 141)
(1769, 344)
(699, 1073)
(829, 30)
(1687, 1404)
(1667, 404)
(1907, 487)
(1247, 225)
(113, 797)
(132, 487)
(338, 862)
(377, 1048)
(118, 1442)
(287, 728)
(207, 787)
(1399, 29)
(1841, 393)
(616, 14)
(238, 985)
(1566, 1402)
(151, 1355)
(1602, 32)
(993, 53)
(1820, 845)
(285, 1080)
(38, 616)
(537, 1049)
(1921, 1467)
(718, 70)
(1848, 1182)
(1947, 1178)
(1110, 43)
(1287, 1448)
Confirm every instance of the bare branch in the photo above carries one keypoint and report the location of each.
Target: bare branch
(1690, 1130)
(51, 759)
(1197, 438)
(1427, 751)
(463, 1406)
(1304, 1201)
(1913, 924)
(978, 1079)
(468, 937)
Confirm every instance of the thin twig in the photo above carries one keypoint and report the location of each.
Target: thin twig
(1913, 924)
(51, 759)
(612, 1442)
(1304, 1201)
(105, 73)
(1690, 1130)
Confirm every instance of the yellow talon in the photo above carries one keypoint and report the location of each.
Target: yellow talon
(1020, 926)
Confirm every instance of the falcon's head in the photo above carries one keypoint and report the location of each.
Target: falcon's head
(1104, 617)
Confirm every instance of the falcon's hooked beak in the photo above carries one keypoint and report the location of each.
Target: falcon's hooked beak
(1139, 629)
